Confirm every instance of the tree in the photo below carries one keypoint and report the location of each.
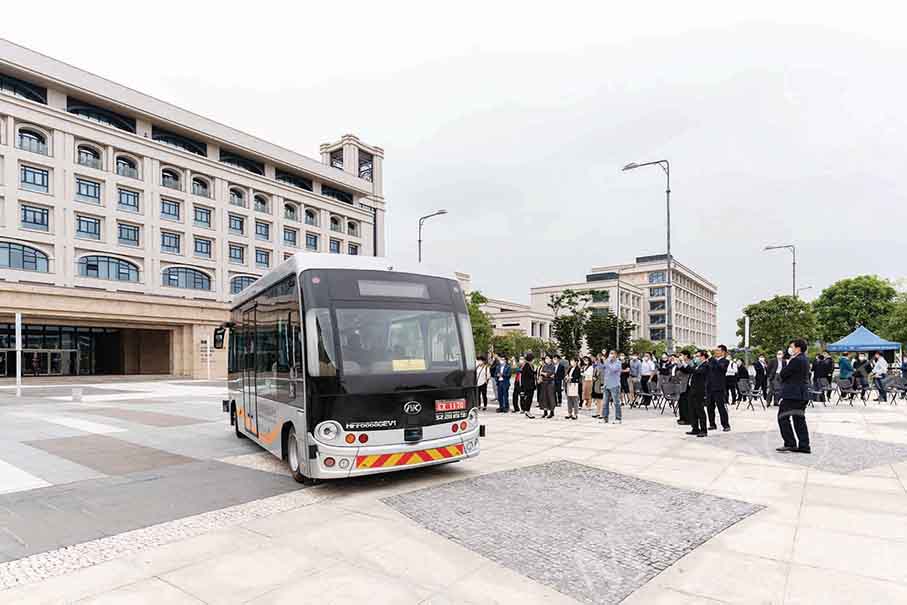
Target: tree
(865, 300)
(481, 325)
(571, 312)
(895, 325)
(641, 345)
(777, 321)
(514, 344)
(601, 332)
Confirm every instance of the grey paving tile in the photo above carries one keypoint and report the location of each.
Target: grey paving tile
(109, 455)
(142, 417)
(591, 534)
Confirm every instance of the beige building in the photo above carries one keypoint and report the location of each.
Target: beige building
(127, 224)
(507, 316)
(638, 292)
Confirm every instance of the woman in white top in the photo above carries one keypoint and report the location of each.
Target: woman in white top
(483, 375)
(731, 379)
(588, 371)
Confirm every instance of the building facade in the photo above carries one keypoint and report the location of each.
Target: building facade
(507, 316)
(128, 224)
(637, 291)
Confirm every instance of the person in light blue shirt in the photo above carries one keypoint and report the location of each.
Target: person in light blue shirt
(611, 370)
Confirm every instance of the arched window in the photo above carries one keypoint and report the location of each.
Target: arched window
(126, 166)
(352, 227)
(186, 278)
(32, 140)
(240, 283)
(201, 187)
(170, 178)
(237, 197)
(291, 212)
(336, 224)
(89, 156)
(311, 218)
(22, 258)
(107, 267)
(261, 203)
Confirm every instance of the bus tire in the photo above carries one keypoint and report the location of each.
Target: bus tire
(235, 419)
(293, 459)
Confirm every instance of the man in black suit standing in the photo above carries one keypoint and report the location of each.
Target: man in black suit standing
(761, 376)
(772, 378)
(794, 398)
(717, 388)
(560, 373)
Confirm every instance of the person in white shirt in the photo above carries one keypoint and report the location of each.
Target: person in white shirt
(647, 371)
(879, 374)
(483, 375)
(731, 375)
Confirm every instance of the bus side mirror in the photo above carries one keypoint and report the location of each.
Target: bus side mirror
(219, 337)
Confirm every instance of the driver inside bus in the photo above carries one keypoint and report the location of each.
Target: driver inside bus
(354, 352)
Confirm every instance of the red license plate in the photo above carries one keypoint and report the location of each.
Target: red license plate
(450, 405)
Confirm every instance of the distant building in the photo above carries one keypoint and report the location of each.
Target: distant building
(509, 316)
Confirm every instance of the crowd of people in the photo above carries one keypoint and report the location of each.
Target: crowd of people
(707, 383)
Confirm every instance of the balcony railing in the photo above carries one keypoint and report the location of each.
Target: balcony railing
(309, 220)
(124, 170)
(87, 160)
(291, 215)
(32, 146)
(200, 190)
(171, 183)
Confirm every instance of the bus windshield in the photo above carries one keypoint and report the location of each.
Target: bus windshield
(393, 341)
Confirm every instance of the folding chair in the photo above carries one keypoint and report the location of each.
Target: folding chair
(670, 394)
(847, 389)
(646, 396)
(891, 386)
(746, 391)
(819, 391)
(637, 392)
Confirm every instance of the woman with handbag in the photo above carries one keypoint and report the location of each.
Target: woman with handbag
(598, 391)
(573, 379)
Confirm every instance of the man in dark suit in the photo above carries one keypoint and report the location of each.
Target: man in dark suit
(717, 388)
(794, 398)
(772, 378)
(761, 376)
(502, 381)
(560, 373)
(696, 395)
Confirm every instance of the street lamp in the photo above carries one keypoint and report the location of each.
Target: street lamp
(793, 250)
(666, 166)
(422, 220)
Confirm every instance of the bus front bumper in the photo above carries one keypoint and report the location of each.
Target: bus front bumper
(341, 462)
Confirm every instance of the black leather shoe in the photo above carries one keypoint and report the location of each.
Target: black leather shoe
(713, 427)
(692, 432)
(702, 434)
(785, 449)
(726, 429)
(803, 450)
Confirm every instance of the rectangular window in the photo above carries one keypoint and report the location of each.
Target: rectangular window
(290, 236)
(203, 247)
(34, 217)
(237, 254)
(128, 234)
(128, 200)
(656, 292)
(170, 242)
(202, 216)
(311, 242)
(237, 224)
(601, 296)
(262, 259)
(657, 277)
(354, 249)
(657, 334)
(35, 179)
(89, 227)
(88, 190)
(656, 319)
(337, 194)
(262, 231)
(170, 210)
(656, 305)
(335, 246)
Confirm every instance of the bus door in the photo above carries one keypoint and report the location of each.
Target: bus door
(249, 382)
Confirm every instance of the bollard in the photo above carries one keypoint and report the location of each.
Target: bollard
(76, 394)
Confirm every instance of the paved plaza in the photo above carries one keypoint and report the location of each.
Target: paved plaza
(140, 493)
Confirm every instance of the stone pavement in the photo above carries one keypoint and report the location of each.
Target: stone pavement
(729, 522)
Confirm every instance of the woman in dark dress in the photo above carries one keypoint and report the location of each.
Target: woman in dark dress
(527, 385)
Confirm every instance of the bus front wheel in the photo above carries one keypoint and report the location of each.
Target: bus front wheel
(294, 459)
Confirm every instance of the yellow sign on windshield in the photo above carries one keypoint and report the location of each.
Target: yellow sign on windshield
(408, 365)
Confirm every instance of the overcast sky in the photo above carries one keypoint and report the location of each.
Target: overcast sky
(783, 121)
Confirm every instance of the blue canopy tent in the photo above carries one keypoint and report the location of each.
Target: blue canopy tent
(862, 340)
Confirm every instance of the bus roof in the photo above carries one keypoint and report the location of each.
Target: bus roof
(318, 260)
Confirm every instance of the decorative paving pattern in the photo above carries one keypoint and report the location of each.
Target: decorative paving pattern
(591, 534)
(831, 453)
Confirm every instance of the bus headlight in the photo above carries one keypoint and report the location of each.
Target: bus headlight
(328, 431)
(473, 416)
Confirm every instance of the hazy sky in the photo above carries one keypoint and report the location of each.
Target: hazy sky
(783, 122)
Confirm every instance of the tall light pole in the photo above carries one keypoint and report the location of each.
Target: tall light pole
(666, 166)
(422, 220)
(793, 250)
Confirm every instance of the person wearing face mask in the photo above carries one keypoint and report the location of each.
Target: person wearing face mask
(624, 378)
(717, 387)
(635, 372)
(696, 397)
(574, 378)
(647, 370)
(611, 369)
(794, 399)
(861, 370)
(684, 369)
(774, 378)
(845, 367)
(760, 368)
(879, 374)
(730, 377)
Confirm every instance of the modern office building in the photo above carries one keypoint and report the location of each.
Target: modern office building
(127, 224)
(507, 316)
(638, 292)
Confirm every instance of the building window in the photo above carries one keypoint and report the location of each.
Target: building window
(179, 141)
(99, 115)
(354, 249)
(294, 180)
(291, 212)
(656, 319)
(35, 179)
(311, 218)
(290, 236)
(127, 167)
(128, 235)
(128, 200)
(337, 194)
(183, 277)
(203, 216)
(170, 178)
(203, 247)
(89, 227)
(657, 277)
(22, 89)
(170, 210)
(34, 217)
(238, 161)
(88, 191)
(170, 242)
(352, 227)
(33, 141)
(657, 334)
(366, 164)
(601, 296)
(89, 156)
(237, 254)
(237, 198)
(262, 231)
(106, 267)
(200, 187)
(22, 258)
(311, 242)
(337, 159)
(262, 259)
(237, 224)
(240, 283)
(261, 203)
(656, 292)
(335, 246)
(656, 305)
(336, 224)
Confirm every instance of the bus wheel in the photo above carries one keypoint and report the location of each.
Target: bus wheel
(293, 458)
(236, 429)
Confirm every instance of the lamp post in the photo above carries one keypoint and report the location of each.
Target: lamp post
(793, 250)
(803, 289)
(666, 166)
(421, 221)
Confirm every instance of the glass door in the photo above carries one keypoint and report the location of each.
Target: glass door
(250, 387)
